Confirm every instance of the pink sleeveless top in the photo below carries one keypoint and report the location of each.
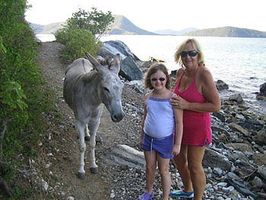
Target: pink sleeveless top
(197, 125)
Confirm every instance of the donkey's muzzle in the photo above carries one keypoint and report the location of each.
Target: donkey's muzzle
(117, 117)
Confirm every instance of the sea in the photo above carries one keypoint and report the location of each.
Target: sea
(239, 62)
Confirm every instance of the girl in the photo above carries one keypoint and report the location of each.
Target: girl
(162, 129)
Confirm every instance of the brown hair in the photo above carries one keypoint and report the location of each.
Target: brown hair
(152, 70)
(181, 48)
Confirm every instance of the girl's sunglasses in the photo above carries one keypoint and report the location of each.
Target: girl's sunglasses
(160, 79)
(190, 53)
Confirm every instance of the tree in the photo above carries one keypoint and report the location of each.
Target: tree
(97, 22)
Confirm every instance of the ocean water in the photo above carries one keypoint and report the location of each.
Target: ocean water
(239, 62)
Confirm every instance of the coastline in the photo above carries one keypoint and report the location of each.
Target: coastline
(234, 164)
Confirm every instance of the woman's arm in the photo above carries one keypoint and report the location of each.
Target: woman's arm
(209, 91)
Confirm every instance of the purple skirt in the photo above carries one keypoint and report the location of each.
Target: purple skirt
(163, 146)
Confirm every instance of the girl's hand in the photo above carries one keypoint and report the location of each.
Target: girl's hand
(176, 149)
(179, 103)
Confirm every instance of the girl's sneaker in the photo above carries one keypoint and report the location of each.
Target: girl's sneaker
(181, 194)
(146, 196)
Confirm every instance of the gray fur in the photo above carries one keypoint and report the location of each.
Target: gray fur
(87, 85)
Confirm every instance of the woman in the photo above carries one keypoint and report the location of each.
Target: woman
(197, 96)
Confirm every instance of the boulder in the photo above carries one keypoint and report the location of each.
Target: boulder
(263, 89)
(220, 85)
(130, 70)
(262, 94)
(214, 159)
(123, 155)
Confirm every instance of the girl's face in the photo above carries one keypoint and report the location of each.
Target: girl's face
(158, 80)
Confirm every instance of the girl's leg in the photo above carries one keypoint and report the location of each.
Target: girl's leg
(163, 165)
(195, 157)
(181, 163)
(150, 157)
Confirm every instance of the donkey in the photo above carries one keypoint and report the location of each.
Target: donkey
(89, 83)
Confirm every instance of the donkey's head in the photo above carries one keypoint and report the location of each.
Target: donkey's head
(110, 86)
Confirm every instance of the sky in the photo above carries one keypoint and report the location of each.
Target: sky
(152, 15)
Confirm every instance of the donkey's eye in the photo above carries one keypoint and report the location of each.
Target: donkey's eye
(106, 89)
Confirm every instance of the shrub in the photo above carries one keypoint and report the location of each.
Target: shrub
(77, 43)
(22, 98)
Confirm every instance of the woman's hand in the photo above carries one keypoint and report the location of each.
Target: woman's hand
(179, 103)
(176, 149)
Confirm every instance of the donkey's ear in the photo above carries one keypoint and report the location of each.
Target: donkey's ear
(101, 60)
(114, 65)
(93, 61)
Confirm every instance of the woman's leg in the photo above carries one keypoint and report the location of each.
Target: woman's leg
(150, 157)
(181, 163)
(163, 165)
(195, 156)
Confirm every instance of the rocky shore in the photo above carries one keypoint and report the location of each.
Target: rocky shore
(235, 164)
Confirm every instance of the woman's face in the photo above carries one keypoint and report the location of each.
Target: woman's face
(189, 56)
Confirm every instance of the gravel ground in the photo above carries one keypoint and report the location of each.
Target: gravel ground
(59, 151)
(53, 173)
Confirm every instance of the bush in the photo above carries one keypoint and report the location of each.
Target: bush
(77, 43)
(22, 98)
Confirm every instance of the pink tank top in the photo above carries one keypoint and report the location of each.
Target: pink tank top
(197, 125)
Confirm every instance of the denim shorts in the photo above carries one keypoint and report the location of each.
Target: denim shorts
(163, 146)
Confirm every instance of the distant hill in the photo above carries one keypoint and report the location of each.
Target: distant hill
(123, 26)
(174, 32)
(229, 31)
(46, 29)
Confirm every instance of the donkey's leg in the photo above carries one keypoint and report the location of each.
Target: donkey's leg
(87, 135)
(82, 147)
(93, 126)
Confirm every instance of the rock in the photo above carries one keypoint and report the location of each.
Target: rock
(240, 147)
(236, 98)
(262, 171)
(259, 158)
(137, 85)
(238, 128)
(129, 70)
(216, 160)
(263, 89)
(237, 183)
(260, 137)
(129, 67)
(220, 85)
(123, 155)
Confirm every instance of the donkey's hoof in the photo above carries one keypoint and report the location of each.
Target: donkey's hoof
(87, 138)
(99, 140)
(94, 170)
(81, 175)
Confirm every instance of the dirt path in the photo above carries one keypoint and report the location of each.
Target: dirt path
(61, 141)
(59, 159)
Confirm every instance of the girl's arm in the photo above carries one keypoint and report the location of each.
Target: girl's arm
(178, 130)
(144, 116)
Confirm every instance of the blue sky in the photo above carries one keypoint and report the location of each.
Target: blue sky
(157, 14)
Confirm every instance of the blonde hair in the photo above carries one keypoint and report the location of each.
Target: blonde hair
(181, 48)
(152, 70)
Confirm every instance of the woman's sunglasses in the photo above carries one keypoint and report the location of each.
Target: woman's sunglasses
(190, 53)
(160, 79)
